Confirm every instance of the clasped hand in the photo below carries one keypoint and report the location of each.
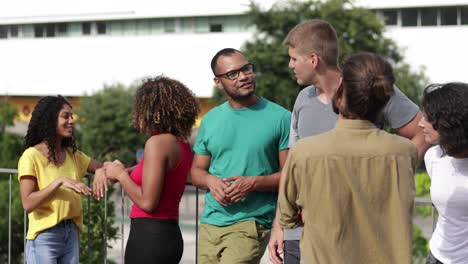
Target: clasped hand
(230, 190)
(110, 171)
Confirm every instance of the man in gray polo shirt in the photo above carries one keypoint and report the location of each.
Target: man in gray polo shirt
(313, 51)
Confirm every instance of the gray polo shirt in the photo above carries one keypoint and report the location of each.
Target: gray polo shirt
(311, 117)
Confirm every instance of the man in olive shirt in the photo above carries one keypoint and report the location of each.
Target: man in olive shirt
(354, 184)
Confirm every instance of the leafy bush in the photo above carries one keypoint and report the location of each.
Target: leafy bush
(17, 245)
(423, 184)
(10, 151)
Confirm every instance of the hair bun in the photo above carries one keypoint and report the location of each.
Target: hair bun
(382, 84)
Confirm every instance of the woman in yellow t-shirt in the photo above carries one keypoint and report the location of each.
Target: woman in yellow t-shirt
(50, 173)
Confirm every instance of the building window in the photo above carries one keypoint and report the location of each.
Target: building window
(86, 28)
(409, 17)
(14, 31)
(428, 16)
(187, 24)
(62, 28)
(448, 16)
(169, 25)
(101, 27)
(39, 31)
(50, 30)
(464, 15)
(3, 32)
(390, 17)
(202, 25)
(216, 28)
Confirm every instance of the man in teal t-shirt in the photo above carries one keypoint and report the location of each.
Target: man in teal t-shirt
(240, 149)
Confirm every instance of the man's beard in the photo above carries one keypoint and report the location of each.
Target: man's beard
(237, 97)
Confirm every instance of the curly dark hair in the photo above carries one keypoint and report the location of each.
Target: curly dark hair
(43, 126)
(446, 108)
(165, 105)
(368, 80)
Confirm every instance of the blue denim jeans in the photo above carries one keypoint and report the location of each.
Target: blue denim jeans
(56, 245)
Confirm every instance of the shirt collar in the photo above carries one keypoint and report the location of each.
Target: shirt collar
(354, 124)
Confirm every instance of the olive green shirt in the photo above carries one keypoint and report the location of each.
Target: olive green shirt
(355, 189)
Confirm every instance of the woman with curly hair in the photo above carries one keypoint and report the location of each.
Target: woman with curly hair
(445, 123)
(165, 109)
(50, 173)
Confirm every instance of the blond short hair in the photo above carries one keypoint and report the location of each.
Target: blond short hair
(315, 36)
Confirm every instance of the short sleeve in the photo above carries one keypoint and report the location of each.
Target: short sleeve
(400, 110)
(293, 133)
(200, 146)
(284, 128)
(26, 166)
(82, 161)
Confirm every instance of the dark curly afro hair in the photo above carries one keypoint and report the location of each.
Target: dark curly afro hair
(164, 105)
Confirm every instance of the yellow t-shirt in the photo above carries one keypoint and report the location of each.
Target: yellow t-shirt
(64, 203)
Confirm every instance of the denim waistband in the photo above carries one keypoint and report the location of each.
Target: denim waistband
(66, 222)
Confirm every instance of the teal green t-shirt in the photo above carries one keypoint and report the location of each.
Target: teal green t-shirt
(243, 142)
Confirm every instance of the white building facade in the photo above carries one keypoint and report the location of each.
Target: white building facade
(74, 48)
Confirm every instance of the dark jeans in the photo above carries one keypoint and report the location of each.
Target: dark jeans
(292, 253)
(154, 241)
(431, 259)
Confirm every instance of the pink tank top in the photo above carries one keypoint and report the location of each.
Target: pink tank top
(174, 186)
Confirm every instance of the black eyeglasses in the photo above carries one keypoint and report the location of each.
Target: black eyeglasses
(234, 74)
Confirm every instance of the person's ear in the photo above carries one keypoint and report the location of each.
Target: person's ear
(218, 83)
(314, 59)
(340, 81)
(340, 89)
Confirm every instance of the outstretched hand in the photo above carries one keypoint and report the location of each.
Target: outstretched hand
(77, 186)
(99, 183)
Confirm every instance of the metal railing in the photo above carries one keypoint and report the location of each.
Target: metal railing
(11, 172)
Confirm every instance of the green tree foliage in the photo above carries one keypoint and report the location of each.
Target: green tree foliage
(420, 245)
(411, 83)
(358, 29)
(11, 146)
(97, 229)
(17, 245)
(106, 130)
(7, 115)
(422, 183)
(10, 151)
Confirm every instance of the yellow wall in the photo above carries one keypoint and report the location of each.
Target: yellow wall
(25, 106)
